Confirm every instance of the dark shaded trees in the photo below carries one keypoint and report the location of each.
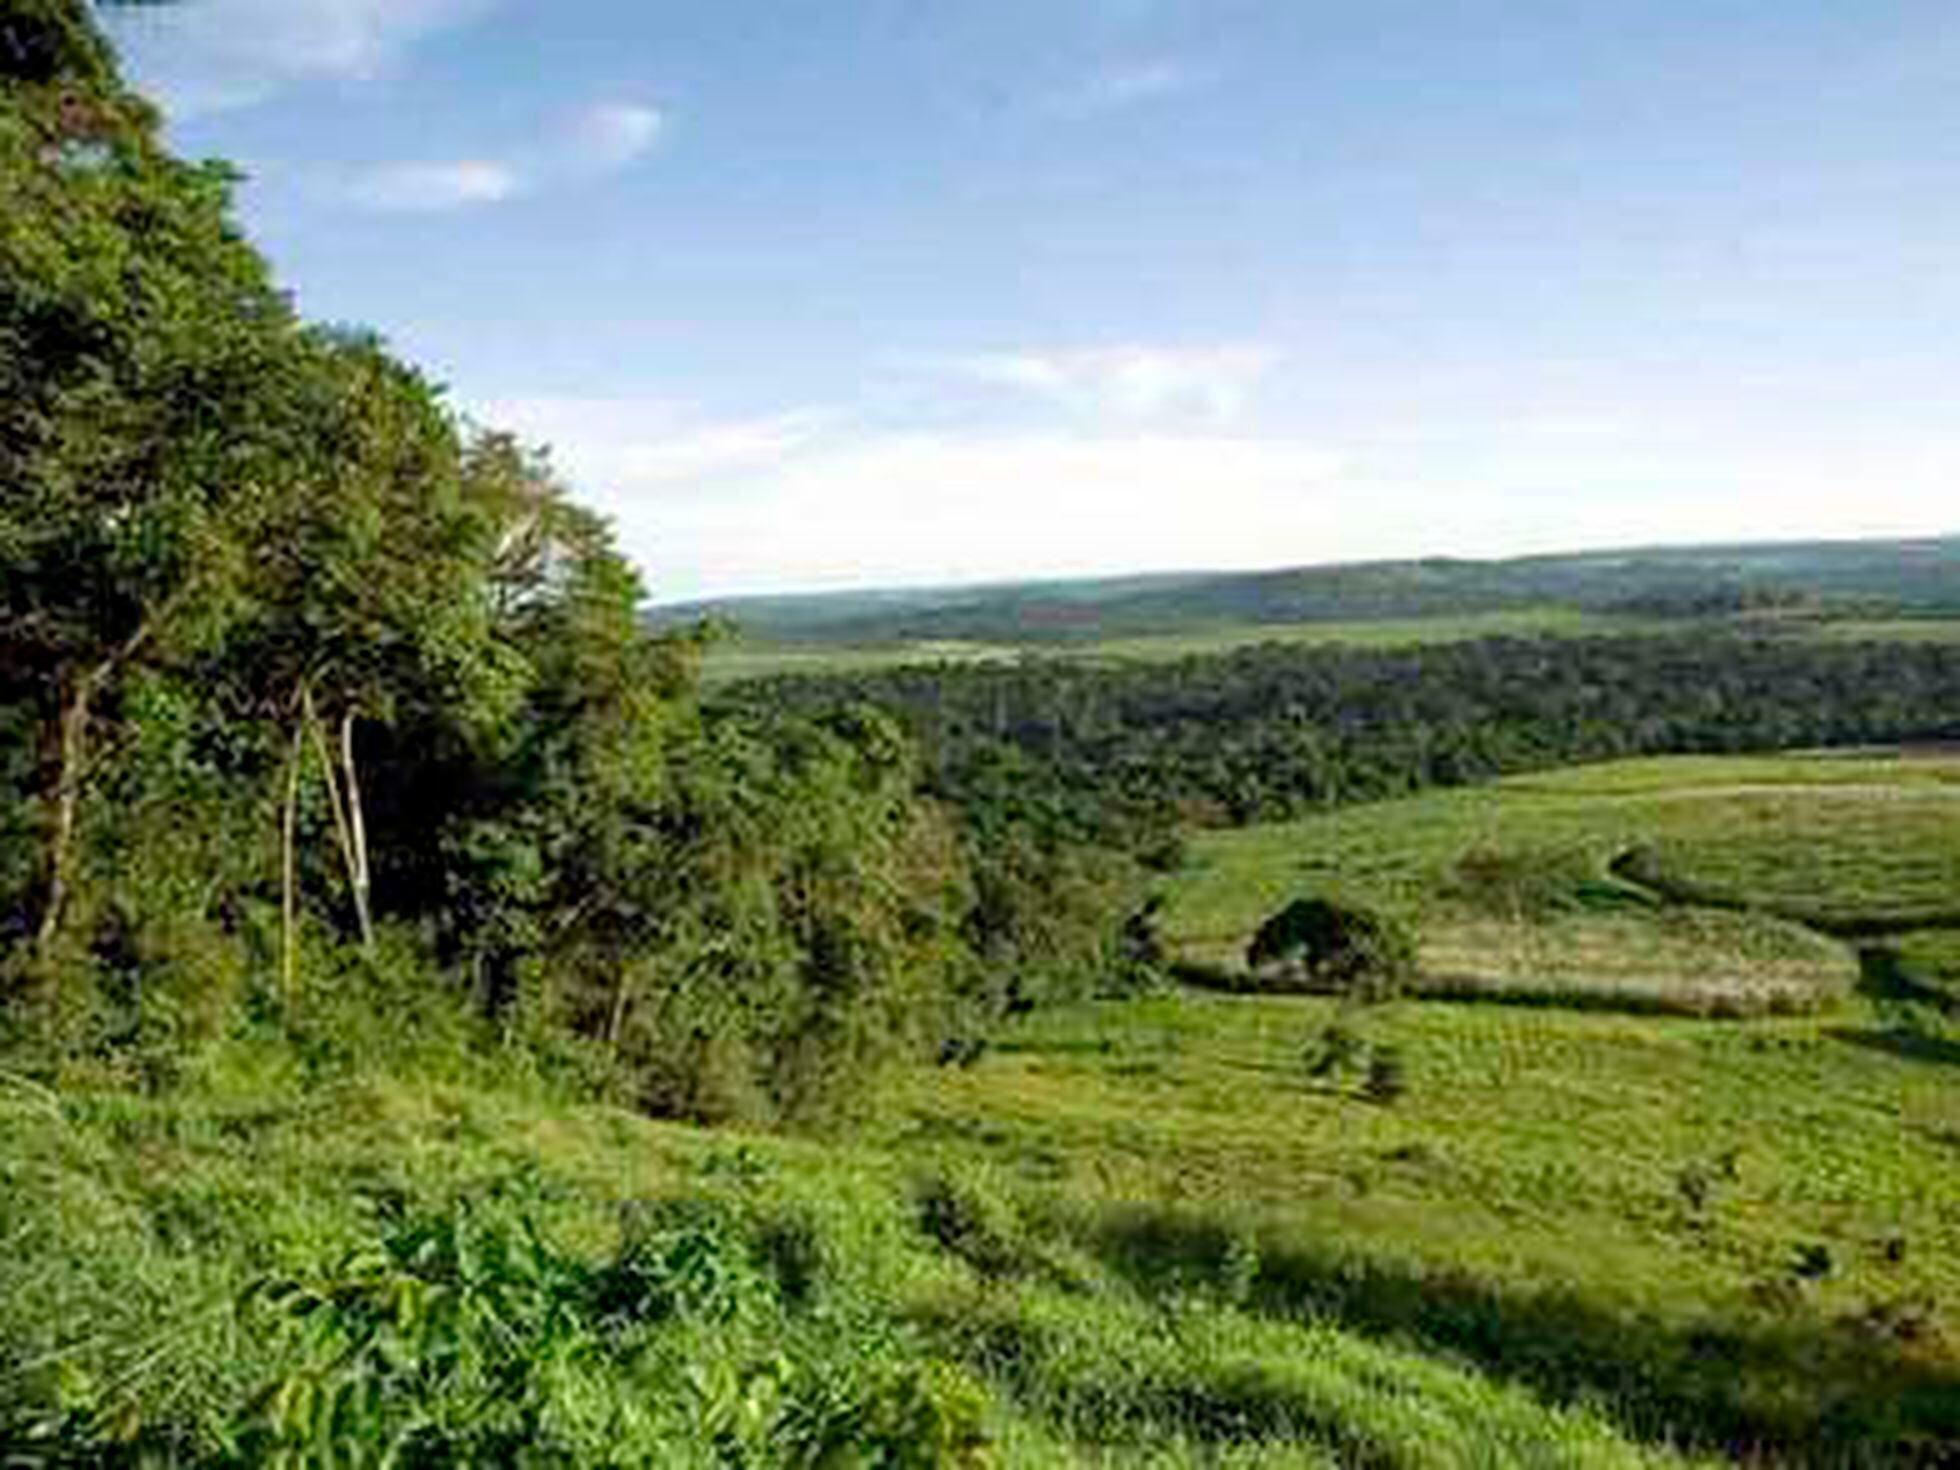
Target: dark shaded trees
(136, 330)
(315, 697)
(1316, 943)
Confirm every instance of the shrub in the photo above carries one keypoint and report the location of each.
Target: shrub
(1317, 944)
(1335, 1050)
(1387, 1078)
(970, 1220)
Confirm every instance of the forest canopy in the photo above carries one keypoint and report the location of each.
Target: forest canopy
(322, 707)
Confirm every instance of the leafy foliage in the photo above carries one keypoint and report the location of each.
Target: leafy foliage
(1123, 753)
(1315, 943)
(317, 700)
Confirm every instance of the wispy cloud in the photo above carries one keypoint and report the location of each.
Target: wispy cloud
(803, 498)
(1126, 85)
(885, 508)
(595, 143)
(611, 135)
(432, 187)
(807, 497)
(640, 442)
(1133, 382)
(207, 55)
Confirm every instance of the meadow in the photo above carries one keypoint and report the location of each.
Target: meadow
(473, 1273)
(761, 655)
(1181, 1229)
(744, 658)
(1522, 888)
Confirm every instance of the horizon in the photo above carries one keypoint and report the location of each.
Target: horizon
(1011, 293)
(1197, 573)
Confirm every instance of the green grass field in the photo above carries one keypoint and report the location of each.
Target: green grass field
(741, 659)
(1609, 1208)
(881, 1297)
(1871, 838)
(1893, 630)
(1153, 1232)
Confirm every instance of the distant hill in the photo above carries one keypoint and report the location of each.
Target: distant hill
(1847, 578)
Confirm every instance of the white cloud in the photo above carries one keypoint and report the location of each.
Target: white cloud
(612, 135)
(804, 499)
(1134, 383)
(811, 499)
(1131, 84)
(975, 506)
(205, 55)
(431, 187)
(594, 144)
(627, 445)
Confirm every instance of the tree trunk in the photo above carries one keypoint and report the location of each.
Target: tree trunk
(342, 825)
(357, 830)
(289, 868)
(72, 758)
(616, 1022)
(77, 705)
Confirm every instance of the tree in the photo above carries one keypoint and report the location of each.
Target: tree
(136, 330)
(1317, 943)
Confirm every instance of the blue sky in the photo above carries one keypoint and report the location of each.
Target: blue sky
(828, 293)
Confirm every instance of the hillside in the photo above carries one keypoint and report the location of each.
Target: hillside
(1864, 578)
(1162, 1230)
(440, 1027)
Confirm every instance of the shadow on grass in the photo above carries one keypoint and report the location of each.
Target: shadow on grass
(1883, 977)
(1640, 867)
(1462, 990)
(1904, 1042)
(1791, 1387)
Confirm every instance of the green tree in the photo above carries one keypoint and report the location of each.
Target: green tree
(136, 330)
(1315, 942)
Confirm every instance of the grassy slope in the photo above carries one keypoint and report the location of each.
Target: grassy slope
(1870, 578)
(1893, 630)
(1526, 1206)
(132, 1226)
(1142, 1228)
(759, 657)
(1849, 835)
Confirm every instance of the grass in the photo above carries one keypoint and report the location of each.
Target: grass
(1932, 958)
(759, 658)
(894, 1305)
(742, 659)
(1538, 622)
(1892, 630)
(1147, 1232)
(1869, 838)
(1606, 1209)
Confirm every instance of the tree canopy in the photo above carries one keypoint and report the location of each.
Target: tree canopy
(318, 701)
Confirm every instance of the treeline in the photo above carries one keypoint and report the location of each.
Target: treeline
(1824, 579)
(326, 714)
(1126, 753)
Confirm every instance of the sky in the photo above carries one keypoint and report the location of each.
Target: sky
(814, 294)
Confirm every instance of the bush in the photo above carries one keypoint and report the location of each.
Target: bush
(471, 1338)
(1387, 1079)
(1317, 944)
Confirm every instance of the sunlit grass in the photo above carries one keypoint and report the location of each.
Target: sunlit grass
(1860, 837)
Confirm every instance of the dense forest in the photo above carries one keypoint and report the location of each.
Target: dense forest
(1127, 753)
(323, 709)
